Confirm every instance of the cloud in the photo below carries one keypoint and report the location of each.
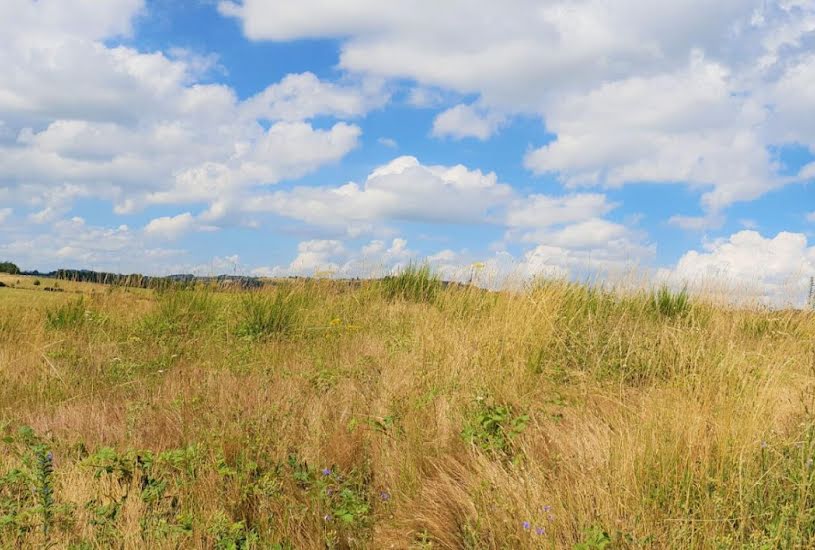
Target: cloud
(510, 56)
(390, 143)
(332, 257)
(401, 190)
(172, 227)
(286, 150)
(811, 217)
(634, 91)
(5, 214)
(464, 121)
(786, 261)
(686, 126)
(792, 97)
(423, 97)
(378, 258)
(545, 211)
(83, 117)
(88, 18)
(304, 96)
(73, 243)
(697, 223)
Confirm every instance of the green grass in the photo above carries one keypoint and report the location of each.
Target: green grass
(267, 315)
(415, 283)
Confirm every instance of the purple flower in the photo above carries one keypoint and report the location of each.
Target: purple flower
(525, 525)
(540, 531)
(547, 508)
(50, 456)
(385, 495)
(326, 471)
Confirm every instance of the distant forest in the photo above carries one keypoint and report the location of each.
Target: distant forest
(134, 279)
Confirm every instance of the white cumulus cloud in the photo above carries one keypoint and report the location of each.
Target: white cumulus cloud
(786, 262)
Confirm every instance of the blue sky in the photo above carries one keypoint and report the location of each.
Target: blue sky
(277, 138)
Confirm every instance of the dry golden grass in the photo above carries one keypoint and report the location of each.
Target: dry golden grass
(399, 414)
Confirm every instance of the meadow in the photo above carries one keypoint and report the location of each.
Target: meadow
(402, 413)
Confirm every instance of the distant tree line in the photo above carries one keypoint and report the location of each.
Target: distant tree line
(138, 280)
(8, 267)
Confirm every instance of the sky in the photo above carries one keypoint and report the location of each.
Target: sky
(566, 138)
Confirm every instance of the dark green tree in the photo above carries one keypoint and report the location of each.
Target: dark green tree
(8, 267)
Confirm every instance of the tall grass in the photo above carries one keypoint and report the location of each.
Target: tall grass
(265, 315)
(403, 413)
(414, 282)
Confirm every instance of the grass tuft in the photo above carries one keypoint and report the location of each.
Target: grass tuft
(266, 315)
(416, 283)
(671, 304)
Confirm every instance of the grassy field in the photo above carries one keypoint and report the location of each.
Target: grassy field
(400, 414)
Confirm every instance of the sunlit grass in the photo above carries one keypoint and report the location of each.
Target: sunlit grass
(402, 413)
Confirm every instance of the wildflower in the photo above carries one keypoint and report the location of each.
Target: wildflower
(525, 525)
(763, 444)
(385, 495)
(328, 517)
(50, 456)
(550, 517)
(547, 508)
(540, 531)
(326, 471)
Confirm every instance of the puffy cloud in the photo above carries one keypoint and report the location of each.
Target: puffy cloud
(686, 126)
(613, 81)
(304, 96)
(82, 117)
(286, 150)
(74, 243)
(332, 257)
(792, 97)
(545, 211)
(172, 227)
(811, 217)
(464, 121)
(401, 190)
(786, 261)
(499, 270)
(88, 18)
(511, 54)
(569, 231)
